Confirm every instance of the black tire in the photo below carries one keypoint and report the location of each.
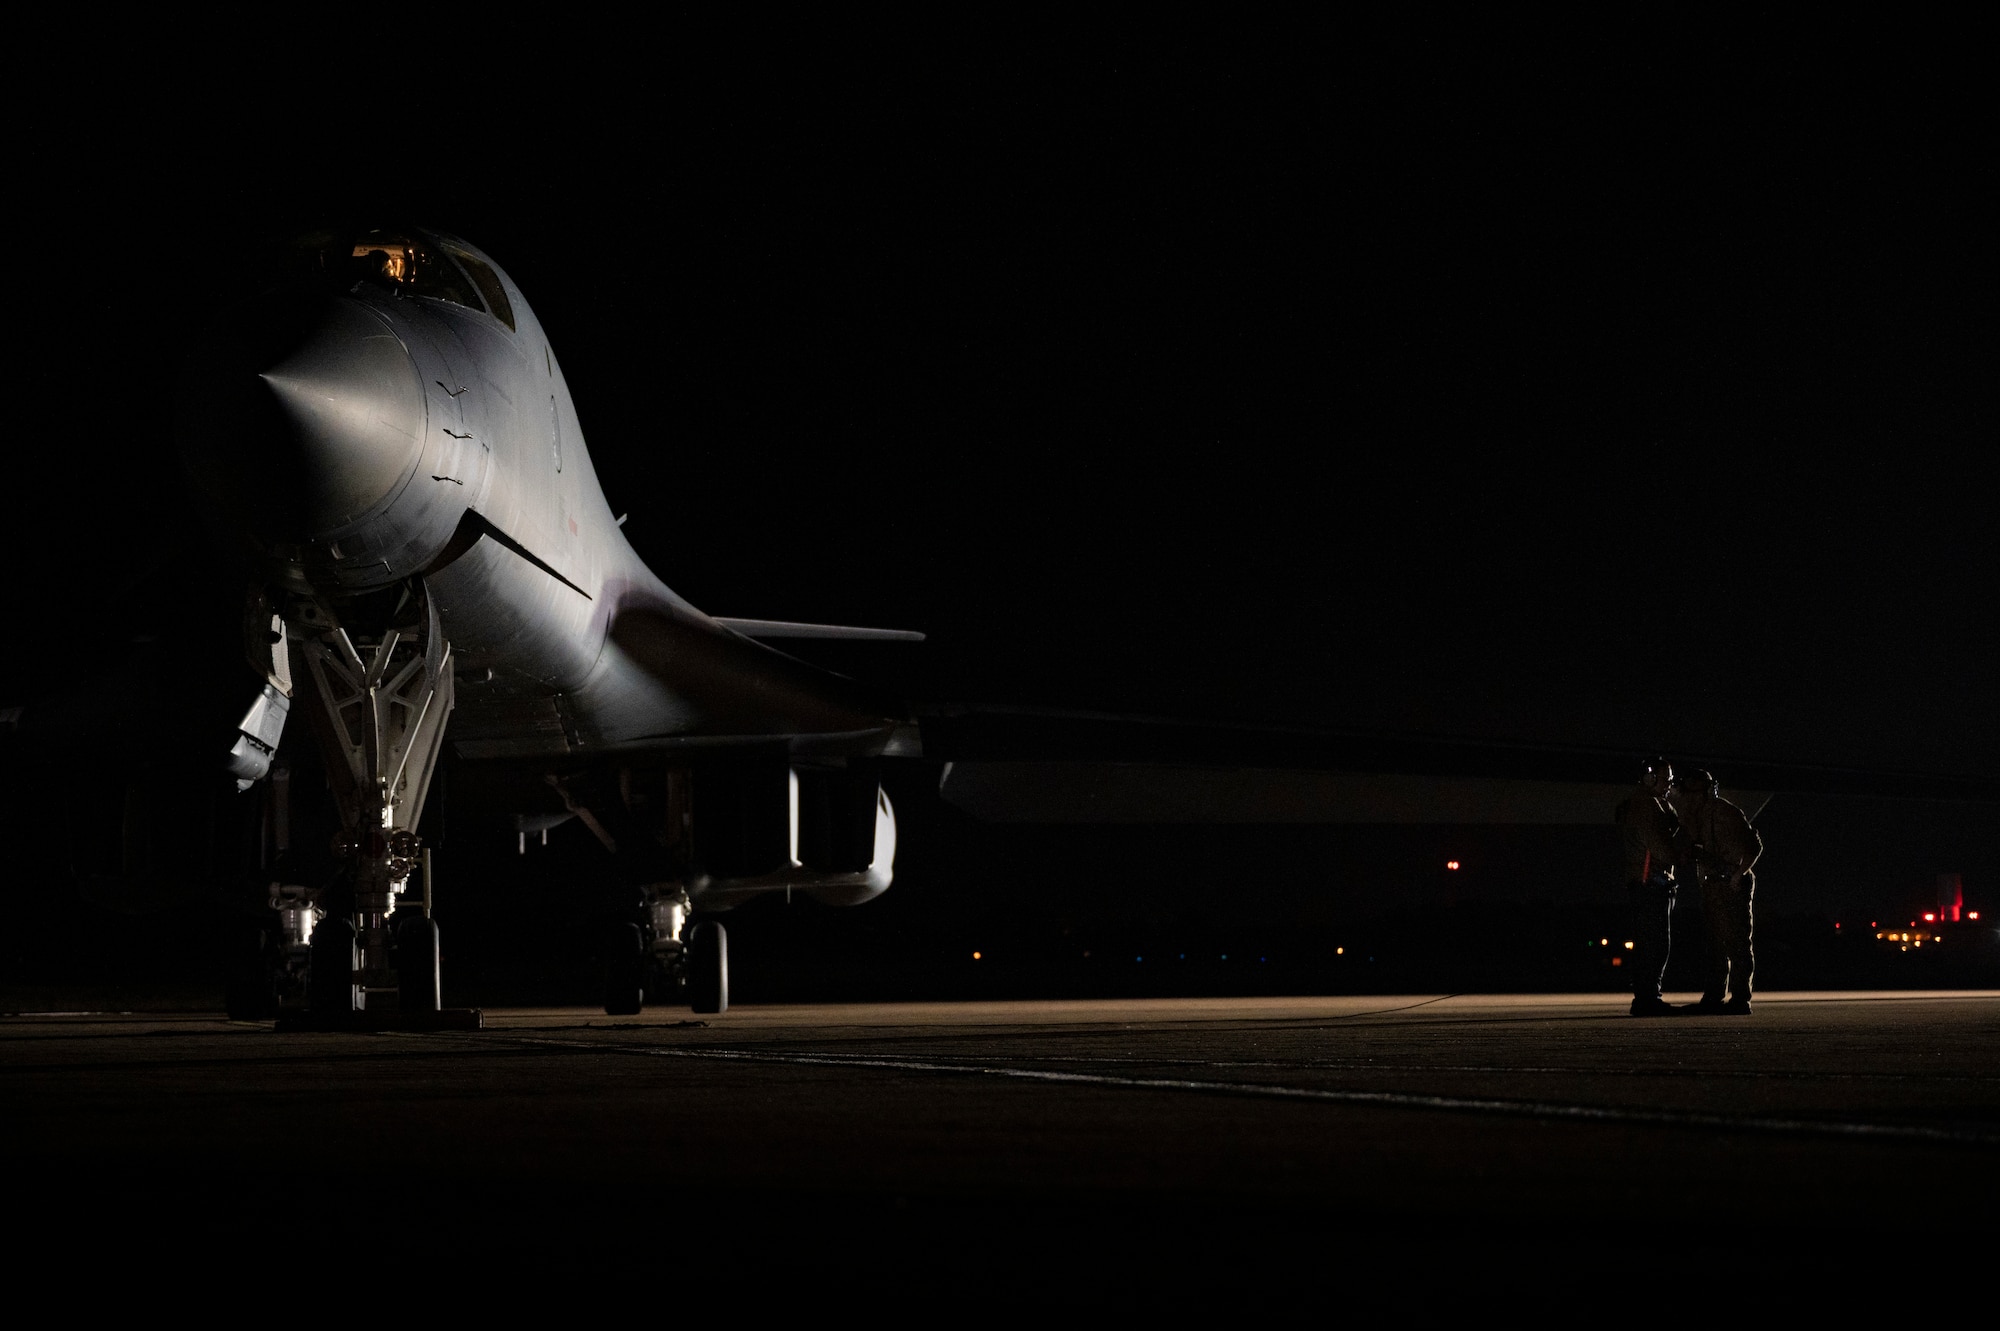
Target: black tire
(251, 991)
(708, 968)
(336, 955)
(417, 988)
(624, 971)
(252, 997)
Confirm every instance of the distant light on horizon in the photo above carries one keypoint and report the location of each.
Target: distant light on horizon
(1451, 864)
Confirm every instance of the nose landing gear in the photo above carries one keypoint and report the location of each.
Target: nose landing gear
(378, 703)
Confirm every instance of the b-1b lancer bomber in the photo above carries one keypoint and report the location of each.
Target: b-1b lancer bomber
(384, 432)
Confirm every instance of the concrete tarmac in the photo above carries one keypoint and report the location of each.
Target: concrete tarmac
(1130, 1150)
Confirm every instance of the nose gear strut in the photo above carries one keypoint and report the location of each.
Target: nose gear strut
(377, 703)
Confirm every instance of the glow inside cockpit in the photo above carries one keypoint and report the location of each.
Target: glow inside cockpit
(414, 265)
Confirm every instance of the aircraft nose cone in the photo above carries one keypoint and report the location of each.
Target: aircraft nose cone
(302, 418)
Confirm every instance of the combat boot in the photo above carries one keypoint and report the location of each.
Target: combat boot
(1709, 1006)
(1736, 1007)
(1654, 1006)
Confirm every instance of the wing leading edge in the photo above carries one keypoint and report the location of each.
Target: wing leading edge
(1039, 765)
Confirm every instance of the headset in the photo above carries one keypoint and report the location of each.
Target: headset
(1654, 765)
(1706, 780)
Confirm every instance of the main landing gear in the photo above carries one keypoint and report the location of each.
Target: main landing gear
(625, 967)
(666, 955)
(708, 968)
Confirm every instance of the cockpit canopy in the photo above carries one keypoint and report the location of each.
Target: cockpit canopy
(400, 259)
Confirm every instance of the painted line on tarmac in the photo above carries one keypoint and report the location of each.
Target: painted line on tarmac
(1543, 1109)
(1359, 1065)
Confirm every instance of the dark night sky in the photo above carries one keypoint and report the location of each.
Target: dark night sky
(1616, 395)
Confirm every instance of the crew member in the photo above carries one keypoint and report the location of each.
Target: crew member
(1725, 846)
(1649, 832)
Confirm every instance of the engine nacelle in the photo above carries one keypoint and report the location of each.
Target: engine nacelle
(852, 887)
(842, 848)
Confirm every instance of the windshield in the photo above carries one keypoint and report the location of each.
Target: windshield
(406, 261)
(399, 260)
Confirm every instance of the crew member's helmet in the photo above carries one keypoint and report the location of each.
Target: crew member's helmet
(1653, 766)
(1702, 780)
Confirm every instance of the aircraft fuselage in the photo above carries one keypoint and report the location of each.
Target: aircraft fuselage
(386, 435)
(359, 438)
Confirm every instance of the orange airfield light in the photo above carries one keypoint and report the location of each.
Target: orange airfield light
(1451, 864)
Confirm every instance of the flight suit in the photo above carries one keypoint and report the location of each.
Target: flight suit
(1725, 847)
(1648, 837)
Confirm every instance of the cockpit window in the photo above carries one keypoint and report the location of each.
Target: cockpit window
(488, 283)
(408, 262)
(402, 262)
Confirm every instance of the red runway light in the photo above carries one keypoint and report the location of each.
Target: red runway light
(1929, 915)
(1975, 914)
